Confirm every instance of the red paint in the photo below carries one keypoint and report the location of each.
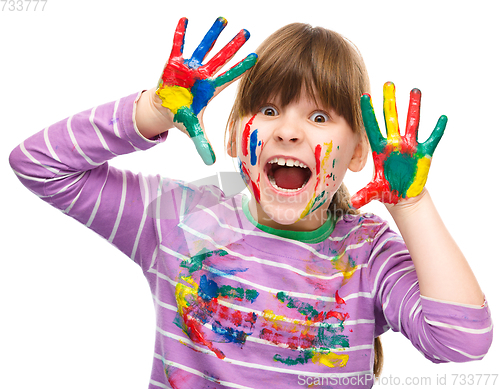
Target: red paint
(245, 138)
(304, 341)
(195, 332)
(339, 299)
(409, 144)
(212, 66)
(317, 154)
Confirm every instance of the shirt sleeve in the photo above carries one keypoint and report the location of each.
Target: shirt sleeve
(66, 165)
(442, 331)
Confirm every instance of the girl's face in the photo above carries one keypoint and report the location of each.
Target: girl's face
(293, 159)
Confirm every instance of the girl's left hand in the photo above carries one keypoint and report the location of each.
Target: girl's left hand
(401, 162)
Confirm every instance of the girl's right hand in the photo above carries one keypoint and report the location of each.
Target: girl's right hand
(187, 85)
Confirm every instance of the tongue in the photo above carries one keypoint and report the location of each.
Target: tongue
(290, 177)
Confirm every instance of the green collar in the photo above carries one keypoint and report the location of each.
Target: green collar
(316, 236)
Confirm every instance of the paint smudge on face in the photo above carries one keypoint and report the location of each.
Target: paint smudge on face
(245, 136)
(253, 147)
(253, 186)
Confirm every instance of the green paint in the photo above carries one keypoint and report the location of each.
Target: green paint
(333, 164)
(251, 295)
(304, 357)
(190, 121)
(399, 171)
(303, 308)
(196, 263)
(238, 293)
(236, 71)
(377, 141)
(328, 336)
(429, 146)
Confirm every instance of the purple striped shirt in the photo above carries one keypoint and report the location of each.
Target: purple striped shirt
(240, 305)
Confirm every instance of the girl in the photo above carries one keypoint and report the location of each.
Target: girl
(291, 287)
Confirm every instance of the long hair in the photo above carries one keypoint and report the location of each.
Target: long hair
(328, 68)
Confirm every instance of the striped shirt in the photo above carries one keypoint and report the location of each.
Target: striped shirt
(238, 304)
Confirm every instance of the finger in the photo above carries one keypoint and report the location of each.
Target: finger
(377, 141)
(431, 143)
(206, 89)
(207, 43)
(365, 195)
(391, 114)
(413, 118)
(236, 71)
(195, 131)
(223, 56)
(178, 45)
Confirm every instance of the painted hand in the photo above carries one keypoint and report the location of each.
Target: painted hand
(186, 86)
(401, 162)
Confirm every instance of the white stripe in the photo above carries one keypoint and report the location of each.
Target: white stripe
(260, 260)
(459, 328)
(77, 146)
(49, 146)
(375, 286)
(303, 245)
(98, 202)
(120, 210)
(159, 384)
(98, 132)
(261, 287)
(203, 375)
(35, 161)
(341, 238)
(189, 342)
(467, 355)
(143, 220)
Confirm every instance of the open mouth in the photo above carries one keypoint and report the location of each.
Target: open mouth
(287, 174)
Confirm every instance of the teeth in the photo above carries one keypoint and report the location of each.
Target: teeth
(288, 162)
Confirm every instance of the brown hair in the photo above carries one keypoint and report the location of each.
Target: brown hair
(329, 68)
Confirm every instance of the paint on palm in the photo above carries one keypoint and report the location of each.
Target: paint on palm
(401, 162)
(187, 85)
(214, 309)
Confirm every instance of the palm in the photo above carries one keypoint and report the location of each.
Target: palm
(401, 162)
(186, 86)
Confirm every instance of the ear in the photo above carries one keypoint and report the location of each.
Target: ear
(358, 160)
(231, 143)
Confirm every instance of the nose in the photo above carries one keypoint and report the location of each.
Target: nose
(288, 131)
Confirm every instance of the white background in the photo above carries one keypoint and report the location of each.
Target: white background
(74, 311)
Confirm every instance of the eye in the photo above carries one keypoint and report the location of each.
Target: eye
(269, 111)
(319, 117)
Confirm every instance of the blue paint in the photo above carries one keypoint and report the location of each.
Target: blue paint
(253, 147)
(208, 289)
(206, 44)
(203, 91)
(229, 334)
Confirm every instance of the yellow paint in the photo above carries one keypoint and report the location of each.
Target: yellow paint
(270, 316)
(330, 359)
(182, 292)
(423, 166)
(329, 147)
(391, 115)
(175, 97)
